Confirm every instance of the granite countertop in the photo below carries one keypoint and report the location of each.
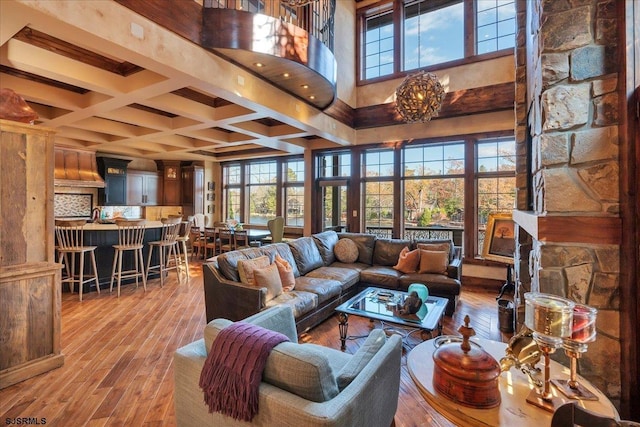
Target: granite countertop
(96, 226)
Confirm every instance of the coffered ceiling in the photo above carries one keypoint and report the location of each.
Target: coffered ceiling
(102, 96)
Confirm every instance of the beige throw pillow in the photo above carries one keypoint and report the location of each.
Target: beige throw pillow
(269, 278)
(246, 267)
(346, 251)
(286, 273)
(433, 261)
(443, 246)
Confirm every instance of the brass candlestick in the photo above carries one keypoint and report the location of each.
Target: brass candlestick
(550, 318)
(583, 332)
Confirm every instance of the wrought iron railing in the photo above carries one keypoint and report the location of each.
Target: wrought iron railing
(415, 233)
(316, 17)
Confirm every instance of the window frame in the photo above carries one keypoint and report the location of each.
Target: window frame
(470, 45)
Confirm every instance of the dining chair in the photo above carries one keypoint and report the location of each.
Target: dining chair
(197, 241)
(167, 249)
(130, 239)
(210, 241)
(241, 239)
(226, 239)
(70, 244)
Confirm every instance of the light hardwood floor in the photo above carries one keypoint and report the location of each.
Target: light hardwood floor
(118, 368)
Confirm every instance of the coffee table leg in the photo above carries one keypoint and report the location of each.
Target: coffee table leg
(343, 325)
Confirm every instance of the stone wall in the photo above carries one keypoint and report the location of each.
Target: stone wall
(571, 109)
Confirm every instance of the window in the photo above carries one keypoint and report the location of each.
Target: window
(293, 182)
(432, 33)
(496, 165)
(378, 40)
(334, 173)
(261, 190)
(335, 164)
(433, 189)
(232, 184)
(495, 25)
(379, 201)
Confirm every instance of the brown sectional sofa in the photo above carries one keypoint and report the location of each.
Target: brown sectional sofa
(322, 282)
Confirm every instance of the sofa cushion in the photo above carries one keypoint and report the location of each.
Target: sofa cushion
(345, 276)
(346, 251)
(298, 368)
(268, 277)
(365, 243)
(382, 276)
(300, 302)
(435, 245)
(306, 254)
(284, 251)
(361, 358)
(301, 370)
(247, 267)
(433, 261)
(408, 261)
(286, 273)
(356, 266)
(228, 262)
(326, 242)
(387, 251)
(324, 288)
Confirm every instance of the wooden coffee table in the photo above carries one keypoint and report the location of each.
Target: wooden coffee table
(381, 304)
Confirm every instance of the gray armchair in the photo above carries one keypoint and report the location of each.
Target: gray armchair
(302, 384)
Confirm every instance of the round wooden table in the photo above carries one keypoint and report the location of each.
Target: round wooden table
(515, 386)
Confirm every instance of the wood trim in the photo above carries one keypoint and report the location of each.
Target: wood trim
(595, 230)
(342, 112)
(462, 102)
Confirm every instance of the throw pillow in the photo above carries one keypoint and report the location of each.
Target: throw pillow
(408, 261)
(433, 261)
(246, 267)
(346, 251)
(361, 358)
(443, 246)
(269, 278)
(286, 273)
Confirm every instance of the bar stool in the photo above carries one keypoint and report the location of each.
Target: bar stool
(167, 247)
(130, 238)
(184, 233)
(70, 239)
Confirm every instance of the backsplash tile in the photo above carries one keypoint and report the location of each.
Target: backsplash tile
(72, 205)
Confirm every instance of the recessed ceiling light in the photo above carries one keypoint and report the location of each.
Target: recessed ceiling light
(259, 64)
(285, 74)
(312, 97)
(304, 86)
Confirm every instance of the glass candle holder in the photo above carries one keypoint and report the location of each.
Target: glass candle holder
(550, 317)
(583, 331)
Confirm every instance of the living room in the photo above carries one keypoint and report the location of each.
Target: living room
(259, 123)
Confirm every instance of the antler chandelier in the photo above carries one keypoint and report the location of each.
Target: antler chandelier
(419, 97)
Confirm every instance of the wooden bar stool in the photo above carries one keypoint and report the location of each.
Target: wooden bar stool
(130, 238)
(184, 234)
(167, 247)
(70, 240)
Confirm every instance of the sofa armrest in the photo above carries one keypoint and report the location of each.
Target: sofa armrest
(454, 270)
(227, 299)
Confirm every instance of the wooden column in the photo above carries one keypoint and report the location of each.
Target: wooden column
(29, 277)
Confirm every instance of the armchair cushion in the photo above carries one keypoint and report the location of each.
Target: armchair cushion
(365, 353)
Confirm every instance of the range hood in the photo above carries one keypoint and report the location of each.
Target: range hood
(76, 168)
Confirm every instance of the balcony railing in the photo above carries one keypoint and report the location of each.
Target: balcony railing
(316, 17)
(414, 233)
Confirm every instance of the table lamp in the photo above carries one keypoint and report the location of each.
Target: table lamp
(583, 331)
(550, 318)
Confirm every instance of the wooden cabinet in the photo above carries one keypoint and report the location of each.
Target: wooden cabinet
(29, 277)
(142, 188)
(114, 173)
(192, 190)
(171, 178)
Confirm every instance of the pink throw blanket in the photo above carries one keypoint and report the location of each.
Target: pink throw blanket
(231, 375)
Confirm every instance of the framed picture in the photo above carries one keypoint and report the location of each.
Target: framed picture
(499, 239)
(209, 196)
(211, 186)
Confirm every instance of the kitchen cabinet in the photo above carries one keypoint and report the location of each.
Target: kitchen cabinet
(192, 190)
(114, 173)
(170, 193)
(142, 188)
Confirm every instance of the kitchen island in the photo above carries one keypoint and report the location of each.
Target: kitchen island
(104, 236)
